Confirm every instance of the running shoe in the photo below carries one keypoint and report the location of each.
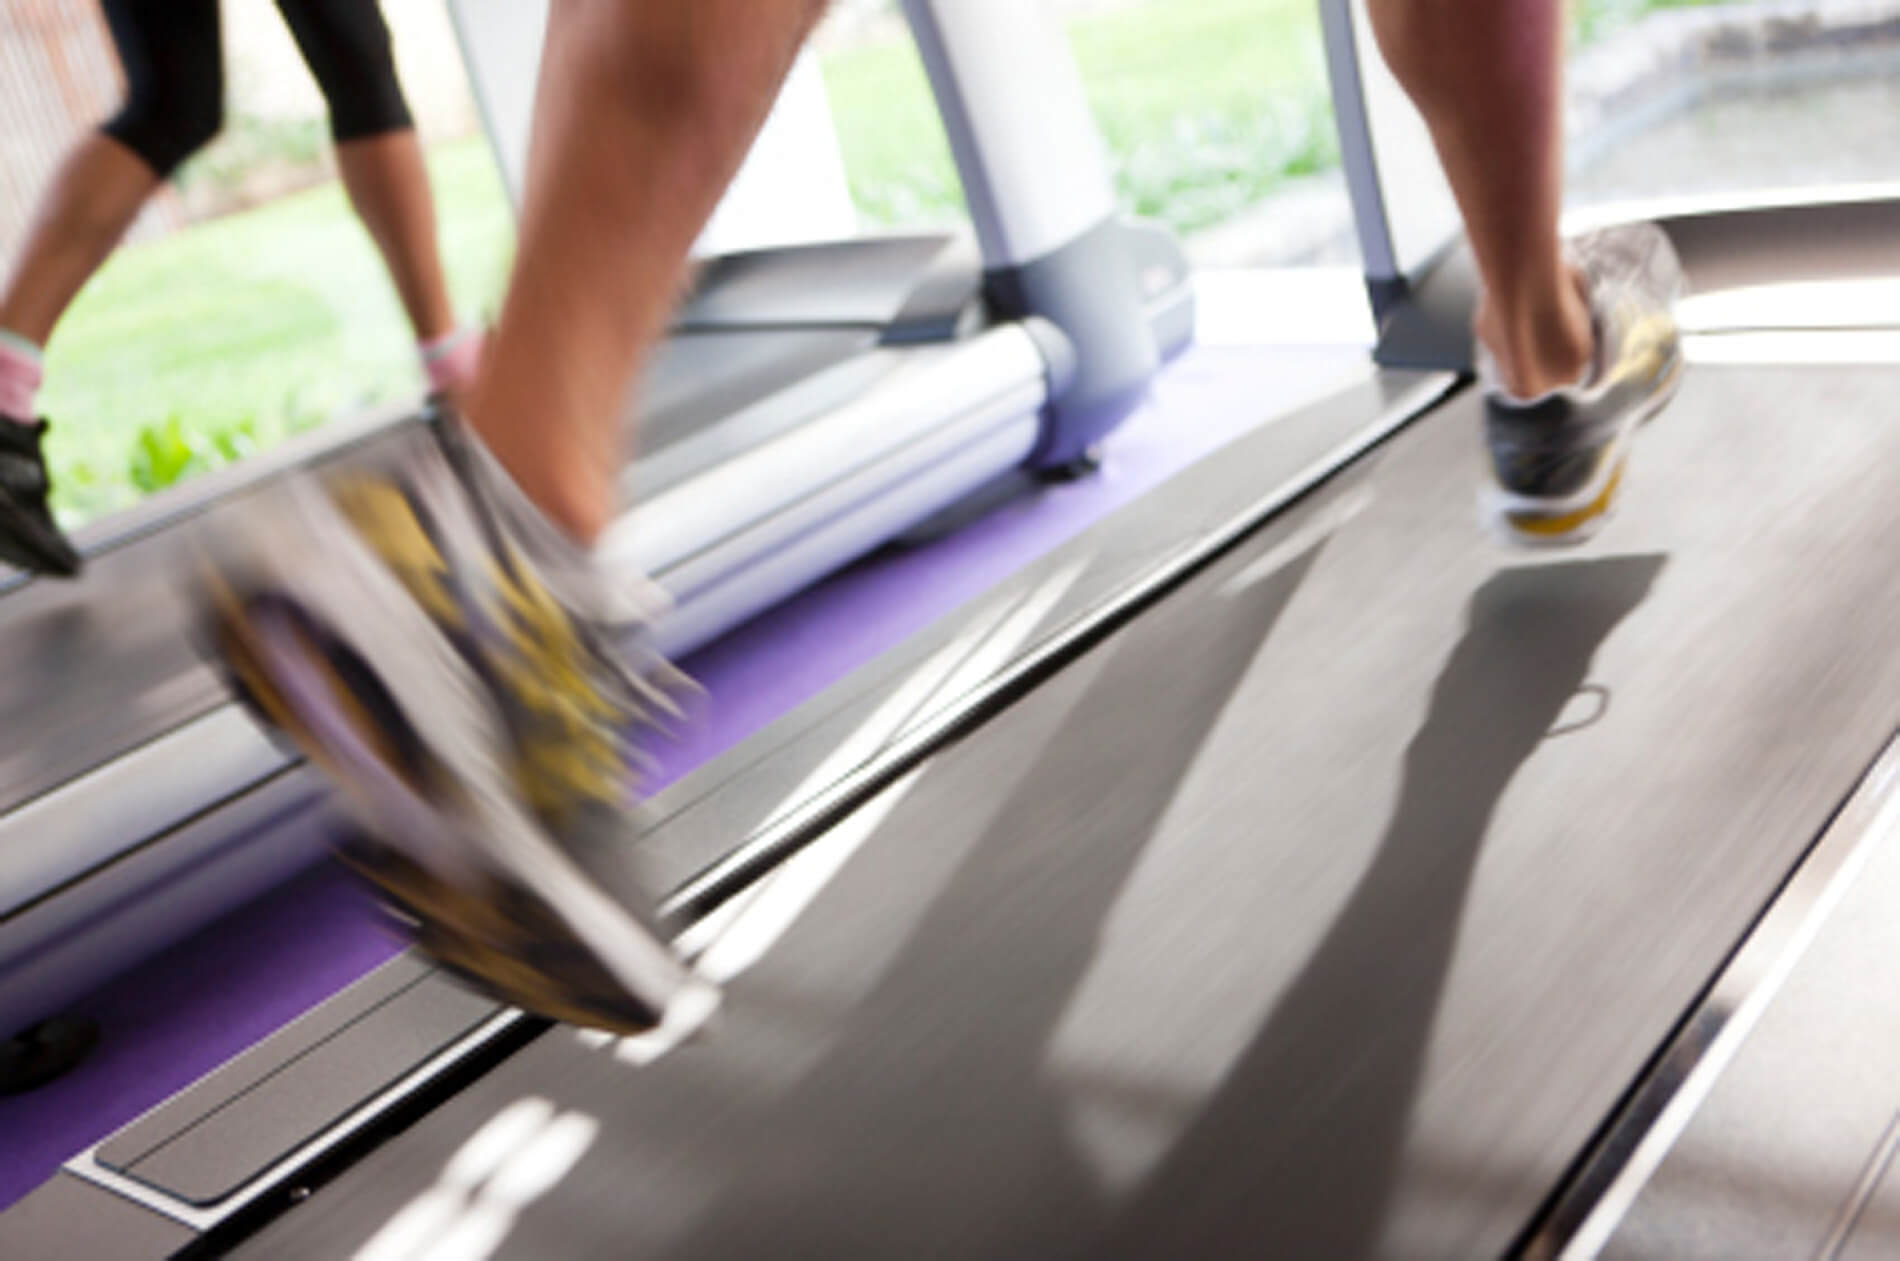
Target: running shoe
(1558, 461)
(29, 537)
(435, 646)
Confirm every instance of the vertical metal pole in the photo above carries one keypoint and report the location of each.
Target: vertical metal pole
(501, 49)
(1035, 174)
(1384, 279)
(1422, 292)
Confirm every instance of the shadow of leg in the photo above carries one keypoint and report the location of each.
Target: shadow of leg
(1298, 1152)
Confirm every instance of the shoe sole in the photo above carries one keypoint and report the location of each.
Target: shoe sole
(1524, 522)
(535, 956)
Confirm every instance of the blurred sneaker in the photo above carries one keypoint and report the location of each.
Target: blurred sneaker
(29, 537)
(432, 644)
(1558, 461)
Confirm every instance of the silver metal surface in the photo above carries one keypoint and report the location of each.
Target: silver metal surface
(129, 800)
(1849, 1217)
(1663, 1105)
(993, 64)
(1357, 157)
(1402, 202)
(501, 53)
(86, 1165)
(843, 523)
(1794, 348)
(986, 382)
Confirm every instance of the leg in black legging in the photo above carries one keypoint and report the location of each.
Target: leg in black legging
(174, 75)
(346, 45)
(174, 104)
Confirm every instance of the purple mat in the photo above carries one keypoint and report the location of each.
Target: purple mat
(206, 999)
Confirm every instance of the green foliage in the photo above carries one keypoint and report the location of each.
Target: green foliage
(1209, 167)
(1206, 106)
(1592, 20)
(249, 143)
(166, 453)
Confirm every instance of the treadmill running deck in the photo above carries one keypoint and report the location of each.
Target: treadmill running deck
(1324, 910)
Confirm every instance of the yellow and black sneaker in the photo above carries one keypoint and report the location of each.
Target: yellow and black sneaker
(1557, 462)
(29, 537)
(435, 647)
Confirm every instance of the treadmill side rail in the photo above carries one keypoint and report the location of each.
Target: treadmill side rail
(148, 791)
(250, 1128)
(941, 422)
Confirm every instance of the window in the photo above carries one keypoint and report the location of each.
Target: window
(248, 304)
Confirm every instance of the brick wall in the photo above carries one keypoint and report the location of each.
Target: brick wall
(57, 77)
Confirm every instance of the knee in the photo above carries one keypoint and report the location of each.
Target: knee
(348, 50)
(200, 117)
(165, 125)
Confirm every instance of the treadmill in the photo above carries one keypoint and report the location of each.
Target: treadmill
(1276, 867)
(811, 403)
(1272, 867)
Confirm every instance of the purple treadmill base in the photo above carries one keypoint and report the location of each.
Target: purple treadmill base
(172, 1020)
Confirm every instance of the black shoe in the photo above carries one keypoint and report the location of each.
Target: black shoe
(29, 537)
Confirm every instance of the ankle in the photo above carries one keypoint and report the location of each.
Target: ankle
(569, 498)
(1540, 343)
(21, 370)
(451, 361)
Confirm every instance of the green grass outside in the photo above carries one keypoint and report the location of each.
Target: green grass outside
(1591, 20)
(194, 349)
(1205, 105)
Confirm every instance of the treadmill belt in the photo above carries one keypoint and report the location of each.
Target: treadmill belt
(1324, 910)
(87, 678)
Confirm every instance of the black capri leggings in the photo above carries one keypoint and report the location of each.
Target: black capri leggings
(174, 72)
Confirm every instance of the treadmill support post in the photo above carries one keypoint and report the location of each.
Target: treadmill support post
(1053, 242)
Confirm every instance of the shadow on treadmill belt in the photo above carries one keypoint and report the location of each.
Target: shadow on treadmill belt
(989, 1125)
(883, 1083)
(1332, 1074)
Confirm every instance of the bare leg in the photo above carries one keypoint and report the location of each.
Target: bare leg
(389, 186)
(644, 114)
(1488, 75)
(89, 205)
